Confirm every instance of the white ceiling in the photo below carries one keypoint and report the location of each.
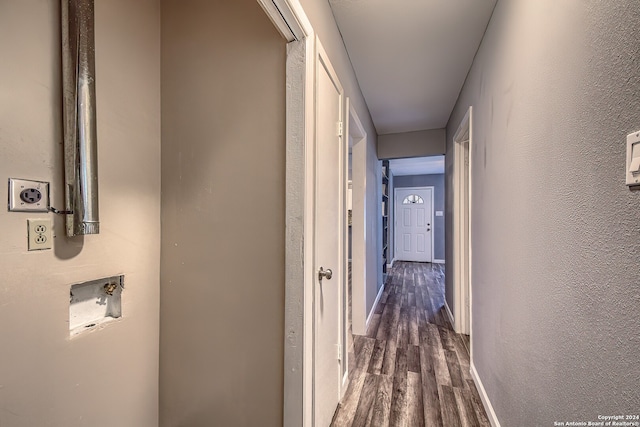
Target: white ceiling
(411, 56)
(417, 166)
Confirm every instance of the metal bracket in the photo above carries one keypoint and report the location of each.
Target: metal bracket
(56, 211)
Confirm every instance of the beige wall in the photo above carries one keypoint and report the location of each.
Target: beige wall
(223, 184)
(108, 377)
(421, 143)
(556, 306)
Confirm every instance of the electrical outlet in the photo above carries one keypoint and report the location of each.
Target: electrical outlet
(28, 196)
(40, 234)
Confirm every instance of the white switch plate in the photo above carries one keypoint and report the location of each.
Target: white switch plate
(40, 234)
(632, 139)
(17, 186)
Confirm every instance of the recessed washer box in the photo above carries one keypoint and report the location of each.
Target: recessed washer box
(95, 303)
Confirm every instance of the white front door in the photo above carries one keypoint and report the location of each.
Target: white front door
(414, 224)
(330, 197)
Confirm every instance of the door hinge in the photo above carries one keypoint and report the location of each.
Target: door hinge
(340, 128)
(339, 350)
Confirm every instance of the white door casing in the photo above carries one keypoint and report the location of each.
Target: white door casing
(359, 227)
(301, 378)
(329, 239)
(300, 200)
(462, 289)
(414, 224)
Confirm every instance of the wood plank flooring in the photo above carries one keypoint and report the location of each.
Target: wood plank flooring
(411, 369)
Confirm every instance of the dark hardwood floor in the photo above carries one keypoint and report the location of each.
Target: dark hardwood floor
(411, 369)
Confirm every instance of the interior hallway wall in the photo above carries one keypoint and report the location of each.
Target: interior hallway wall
(421, 143)
(223, 215)
(108, 376)
(556, 297)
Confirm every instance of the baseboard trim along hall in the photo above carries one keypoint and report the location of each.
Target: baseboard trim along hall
(483, 396)
(373, 309)
(449, 314)
(438, 261)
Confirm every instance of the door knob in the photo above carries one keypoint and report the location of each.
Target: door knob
(325, 273)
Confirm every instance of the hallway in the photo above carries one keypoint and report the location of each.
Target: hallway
(411, 369)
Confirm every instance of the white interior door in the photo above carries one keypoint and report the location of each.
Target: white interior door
(330, 195)
(414, 224)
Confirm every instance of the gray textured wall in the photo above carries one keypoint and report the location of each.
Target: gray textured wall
(421, 143)
(436, 181)
(222, 311)
(556, 234)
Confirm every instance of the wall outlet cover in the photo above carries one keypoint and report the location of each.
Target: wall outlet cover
(40, 234)
(28, 196)
(633, 160)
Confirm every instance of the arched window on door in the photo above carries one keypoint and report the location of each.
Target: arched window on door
(413, 199)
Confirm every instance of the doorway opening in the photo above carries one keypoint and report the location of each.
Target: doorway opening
(419, 172)
(462, 142)
(358, 226)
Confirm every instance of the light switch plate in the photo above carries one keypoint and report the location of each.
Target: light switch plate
(28, 196)
(40, 234)
(633, 151)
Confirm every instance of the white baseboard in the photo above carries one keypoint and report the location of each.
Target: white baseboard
(373, 308)
(449, 314)
(438, 261)
(389, 266)
(491, 414)
(345, 383)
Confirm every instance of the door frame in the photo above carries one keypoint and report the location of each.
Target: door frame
(300, 202)
(395, 217)
(355, 130)
(462, 248)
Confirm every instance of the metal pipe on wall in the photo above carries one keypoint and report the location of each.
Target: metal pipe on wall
(79, 113)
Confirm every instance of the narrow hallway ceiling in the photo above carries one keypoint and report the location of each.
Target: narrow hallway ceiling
(411, 57)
